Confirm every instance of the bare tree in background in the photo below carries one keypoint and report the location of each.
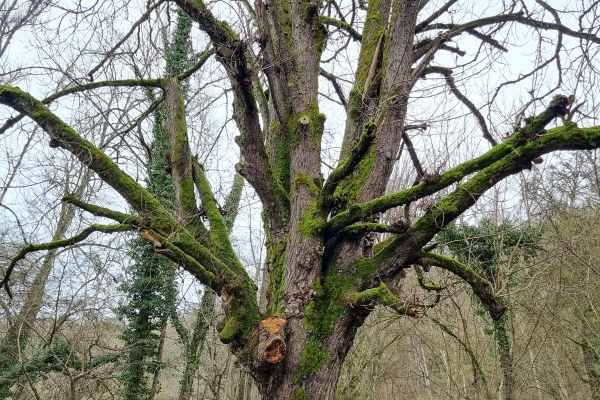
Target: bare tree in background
(393, 69)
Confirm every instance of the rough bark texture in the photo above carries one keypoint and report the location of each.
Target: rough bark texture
(324, 274)
(506, 358)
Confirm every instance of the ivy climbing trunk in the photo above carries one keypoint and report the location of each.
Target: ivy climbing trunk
(152, 293)
(506, 357)
(325, 272)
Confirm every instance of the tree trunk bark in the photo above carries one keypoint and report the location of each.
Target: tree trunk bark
(506, 359)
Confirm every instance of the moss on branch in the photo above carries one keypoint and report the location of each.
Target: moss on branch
(56, 244)
(510, 156)
(348, 166)
(102, 211)
(343, 25)
(381, 295)
(194, 257)
(219, 234)
(481, 287)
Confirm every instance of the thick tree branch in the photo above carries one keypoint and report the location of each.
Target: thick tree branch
(381, 295)
(218, 230)
(192, 254)
(181, 161)
(343, 25)
(481, 287)
(515, 152)
(56, 244)
(231, 53)
(401, 250)
(88, 154)
(102, 212)
(346, 167)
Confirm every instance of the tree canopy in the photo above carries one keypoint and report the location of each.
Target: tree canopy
(364, 128)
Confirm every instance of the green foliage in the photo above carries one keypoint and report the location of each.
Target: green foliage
(485, 246)
(151, 285)
(50, 359)
(178, 51)
(145, 310)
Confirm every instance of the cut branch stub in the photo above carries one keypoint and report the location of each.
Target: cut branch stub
(271, 344)
(150, 237)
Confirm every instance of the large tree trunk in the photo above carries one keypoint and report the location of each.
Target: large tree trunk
(324, 272)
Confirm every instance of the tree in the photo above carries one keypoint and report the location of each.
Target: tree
(484, 248)
(324, 275)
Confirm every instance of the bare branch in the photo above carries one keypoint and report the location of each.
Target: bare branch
(60, 243)
(447, 73)
(338, 89)
(481, 287)
(110, 53)
(421, 25)
(102, 212)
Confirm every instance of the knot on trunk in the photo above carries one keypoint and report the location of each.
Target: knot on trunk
(271, 344)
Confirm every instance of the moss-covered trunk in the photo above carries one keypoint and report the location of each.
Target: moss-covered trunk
(325, 274)
(312, 367)
(506, 358)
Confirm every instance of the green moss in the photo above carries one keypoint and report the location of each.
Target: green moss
(231, 330)
(306, 181)
(348, 191)
(299, 394)
(314, 127)
(320, 36)
(379, 295)
(281, 169)
(379, 246)
(276, 253)
(313, 221)
(355, 102)
(374, 28)
(328, 304)
(312, 359)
